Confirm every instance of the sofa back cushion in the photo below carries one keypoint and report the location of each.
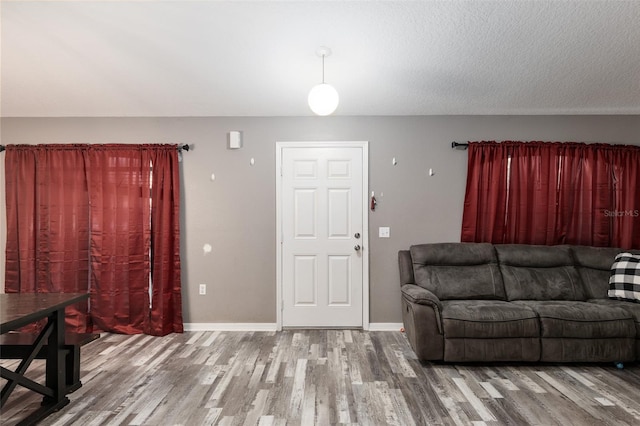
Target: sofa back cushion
(405, 267)
(594, 267)
(458, 270)
(533, 272)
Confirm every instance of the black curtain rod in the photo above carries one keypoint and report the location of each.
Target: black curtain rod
(461, 145)
(182, 147)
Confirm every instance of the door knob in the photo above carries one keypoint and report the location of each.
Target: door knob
(357, 247)
(357, 235)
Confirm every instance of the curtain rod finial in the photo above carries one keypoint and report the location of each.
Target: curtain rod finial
(457, 145)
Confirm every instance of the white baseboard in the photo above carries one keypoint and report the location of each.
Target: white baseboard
(270, 326)
(230, 326)
(385, 326)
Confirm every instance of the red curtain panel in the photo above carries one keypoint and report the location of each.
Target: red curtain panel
(48, 224)
(166, 298)
(552, 193)
(84, 218)
(532, 203)
(119, 188)
(485, 203)
(585, 192)
(626, 193)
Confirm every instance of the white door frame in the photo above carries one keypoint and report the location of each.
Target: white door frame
(364, 145)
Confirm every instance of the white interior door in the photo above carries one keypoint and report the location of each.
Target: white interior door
(323, 236)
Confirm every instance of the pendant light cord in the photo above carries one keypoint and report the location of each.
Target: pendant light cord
(323, 68)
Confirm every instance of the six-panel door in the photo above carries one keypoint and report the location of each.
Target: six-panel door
(322, 245)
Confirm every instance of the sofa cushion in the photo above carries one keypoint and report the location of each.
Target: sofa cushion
(534, 272)
(571, 319)
(624, 283)
(631, 308)
(458, 270)
(487, 319)
(594, 267)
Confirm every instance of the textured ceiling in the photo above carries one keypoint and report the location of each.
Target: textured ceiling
(257, 58)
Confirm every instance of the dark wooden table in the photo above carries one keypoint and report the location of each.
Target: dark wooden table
(18, 310)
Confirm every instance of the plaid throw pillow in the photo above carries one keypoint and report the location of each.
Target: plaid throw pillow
(624, 283)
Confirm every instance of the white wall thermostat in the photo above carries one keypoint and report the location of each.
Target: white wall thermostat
(235, 139)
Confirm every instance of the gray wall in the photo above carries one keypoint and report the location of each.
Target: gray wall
(236, 213)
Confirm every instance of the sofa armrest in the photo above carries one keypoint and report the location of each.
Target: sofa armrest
(421, 296)
(421, 315)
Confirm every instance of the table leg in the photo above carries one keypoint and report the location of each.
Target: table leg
(17, 377)
(55, 374)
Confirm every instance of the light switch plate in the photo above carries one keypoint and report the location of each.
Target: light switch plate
(383, 232)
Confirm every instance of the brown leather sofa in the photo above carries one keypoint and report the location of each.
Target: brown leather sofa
(464, 302)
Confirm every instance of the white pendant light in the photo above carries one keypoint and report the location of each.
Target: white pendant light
(323, 98)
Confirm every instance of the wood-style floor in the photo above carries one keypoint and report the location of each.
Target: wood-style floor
(324, 377)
